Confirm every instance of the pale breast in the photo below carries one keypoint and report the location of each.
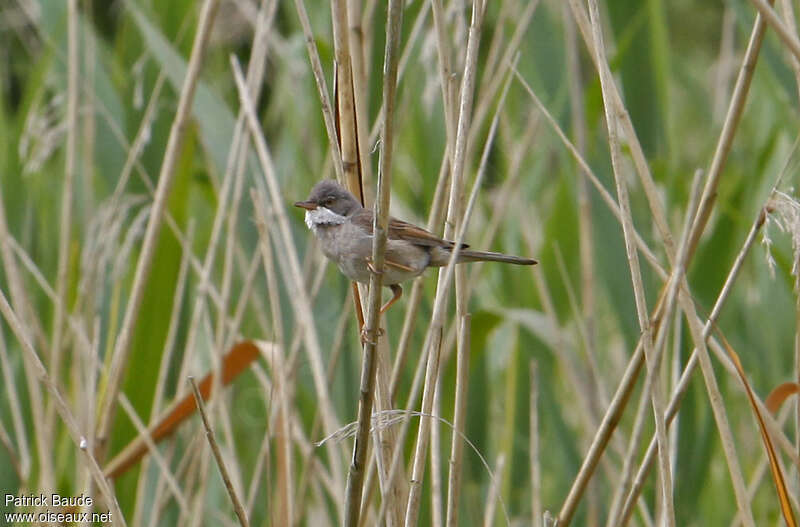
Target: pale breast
(350, 247)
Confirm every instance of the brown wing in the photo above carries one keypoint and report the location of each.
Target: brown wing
(402, 230)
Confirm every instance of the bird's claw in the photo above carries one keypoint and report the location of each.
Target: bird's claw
(365, 336)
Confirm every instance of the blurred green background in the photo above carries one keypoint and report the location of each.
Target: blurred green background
(674, 63)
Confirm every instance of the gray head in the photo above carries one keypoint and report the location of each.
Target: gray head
(331, 195)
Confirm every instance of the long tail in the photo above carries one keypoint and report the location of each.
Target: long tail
(440, 256)
(468, 255)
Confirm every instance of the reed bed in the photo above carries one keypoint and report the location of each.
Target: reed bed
(175, 346)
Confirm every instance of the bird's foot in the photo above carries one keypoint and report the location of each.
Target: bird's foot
(365, 336)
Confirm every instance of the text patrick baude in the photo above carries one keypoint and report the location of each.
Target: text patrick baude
(48, 500)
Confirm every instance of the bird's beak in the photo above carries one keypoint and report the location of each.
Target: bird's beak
(308, 205)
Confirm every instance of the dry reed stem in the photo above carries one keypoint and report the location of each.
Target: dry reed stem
(355, 479)
(680, 389)
(85, 348)
(237, 163)
(360, 87)
(786, 34)
(232, 177)
(723, 147)
(386, 439)
(630, 457)
(459, 420)
(291, 268)
(715, 398)
(671, 291)
(122, 347)
(729, 127)
(307, 461)
(302, 336)
(322, 88)
(433, 340)
(651, 357)
(61, 407)
(212, 441)
(454, 221)
(118, 134)
(651, 258)
(345, 116)
(629, 133)
(435, 217)
(463, 356)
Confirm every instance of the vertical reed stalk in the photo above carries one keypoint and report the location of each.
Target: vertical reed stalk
(355, 479)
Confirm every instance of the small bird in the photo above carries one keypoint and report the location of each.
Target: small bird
(344, 230)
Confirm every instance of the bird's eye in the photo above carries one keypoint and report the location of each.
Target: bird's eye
(327, 200)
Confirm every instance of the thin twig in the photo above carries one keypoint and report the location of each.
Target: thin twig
(212, 441)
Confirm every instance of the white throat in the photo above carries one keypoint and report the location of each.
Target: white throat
(323, 216)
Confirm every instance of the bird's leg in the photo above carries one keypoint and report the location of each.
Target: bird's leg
(398, 292)
(359, 311)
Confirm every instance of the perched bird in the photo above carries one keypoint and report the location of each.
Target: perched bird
(344, 230)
